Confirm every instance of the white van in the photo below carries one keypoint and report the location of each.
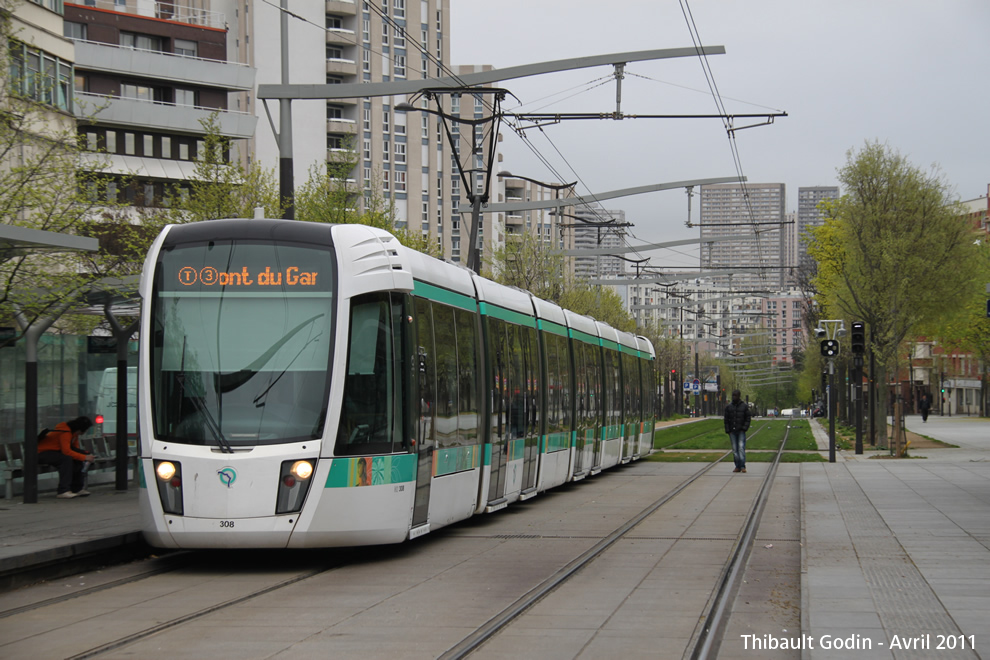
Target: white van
(106, 407)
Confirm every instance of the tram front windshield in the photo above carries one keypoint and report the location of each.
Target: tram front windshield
(240, 352)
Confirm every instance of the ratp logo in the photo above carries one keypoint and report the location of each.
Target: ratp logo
(228, 476)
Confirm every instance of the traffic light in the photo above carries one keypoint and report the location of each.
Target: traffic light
(858, 337)
(830, 347)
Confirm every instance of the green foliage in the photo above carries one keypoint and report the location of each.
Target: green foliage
(223, 189)
(895, 253)
(526, 263)
(41, 188)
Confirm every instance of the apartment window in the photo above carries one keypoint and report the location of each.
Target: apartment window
(335, 141)
(400, 152)
(366, 60)
(334, 22)
(426, 213)
(386, 151)
(384, 33)
(185, 97)
(335, 53)
(424, 39)
(140, 41)
(185, 48)
(366, 30)
(386, 180)
(386, 121)
(40, 76)
(400, 66)
(367, 178)
(183, 150)
(400, 8)
(111, 142)
(129, 145)
(74, 30)
(166, 146)
(335, 112)
(400, 182)
(149, 194)
(367, 149)
(139, 92)
(399, 40)
(149, 146)
(92, 142)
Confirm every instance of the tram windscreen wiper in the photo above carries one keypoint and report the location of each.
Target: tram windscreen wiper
(228, 382)
(200, 406)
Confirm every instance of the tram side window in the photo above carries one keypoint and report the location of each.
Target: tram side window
(531, 383)
(558, 383)
(467, 367)
(426, 370)
(632, 404)
(613, 387)
(447, 375)
(371, 419)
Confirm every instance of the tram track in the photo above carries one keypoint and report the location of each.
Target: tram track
(707, 636)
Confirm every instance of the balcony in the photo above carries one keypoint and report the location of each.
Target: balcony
(341, 7)
(169, 11)
(117, 61)
(341, 66)
(340, 37)
(339, 125)
(165, 116)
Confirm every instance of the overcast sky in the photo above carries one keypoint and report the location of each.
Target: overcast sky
(911, 73)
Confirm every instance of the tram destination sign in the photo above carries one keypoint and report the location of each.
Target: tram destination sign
(256, 268)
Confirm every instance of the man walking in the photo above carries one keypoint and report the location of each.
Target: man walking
(737, 419)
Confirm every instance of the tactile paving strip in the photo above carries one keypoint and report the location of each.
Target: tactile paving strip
(905, 602)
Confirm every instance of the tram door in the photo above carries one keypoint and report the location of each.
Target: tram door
(501, 417)
(529, 384)
(425, 424)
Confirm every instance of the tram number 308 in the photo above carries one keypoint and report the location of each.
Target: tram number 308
(226, 523)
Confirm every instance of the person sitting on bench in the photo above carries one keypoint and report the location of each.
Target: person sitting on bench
(60, 448)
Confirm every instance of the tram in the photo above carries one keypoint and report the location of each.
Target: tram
(314, 385)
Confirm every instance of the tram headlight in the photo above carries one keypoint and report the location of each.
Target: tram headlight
(169, 482)
(302, 470)
(293, 484)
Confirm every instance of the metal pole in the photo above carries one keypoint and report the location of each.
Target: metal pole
(286, 186)
(831, 411)
(474, 261)
(858, 394)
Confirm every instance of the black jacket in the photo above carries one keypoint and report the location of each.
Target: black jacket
(737, 417)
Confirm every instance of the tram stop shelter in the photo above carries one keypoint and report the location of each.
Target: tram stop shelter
(106, 297)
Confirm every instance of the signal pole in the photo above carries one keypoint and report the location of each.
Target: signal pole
(829, 332)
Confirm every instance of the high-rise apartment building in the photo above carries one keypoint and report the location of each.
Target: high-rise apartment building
(809, 216)
(146, 75)
(591, 231)
(405, 158)
(752, 216)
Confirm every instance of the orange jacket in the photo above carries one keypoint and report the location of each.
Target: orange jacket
(62, 440)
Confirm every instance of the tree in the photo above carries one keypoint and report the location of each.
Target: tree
(894, 253)
(221, 188)
(41, 188)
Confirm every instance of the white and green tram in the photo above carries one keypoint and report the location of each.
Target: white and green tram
(313, 385)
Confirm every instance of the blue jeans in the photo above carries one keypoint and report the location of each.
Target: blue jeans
(738, 440)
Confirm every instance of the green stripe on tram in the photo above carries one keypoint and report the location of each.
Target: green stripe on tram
(371, 471)
(430, 292)
(585, 337)
(550, 326)
(450, 460)
(494, 311)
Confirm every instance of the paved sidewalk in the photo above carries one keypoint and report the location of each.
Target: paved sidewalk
(896, 552)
